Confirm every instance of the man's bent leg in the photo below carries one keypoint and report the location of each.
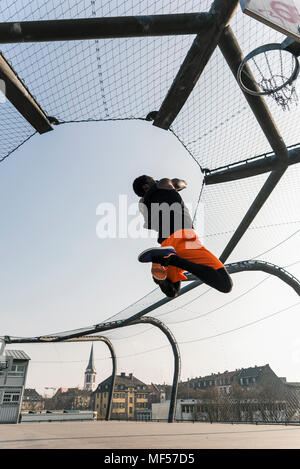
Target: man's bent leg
(216, 278)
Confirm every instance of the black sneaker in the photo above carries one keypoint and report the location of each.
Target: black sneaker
(155, 253)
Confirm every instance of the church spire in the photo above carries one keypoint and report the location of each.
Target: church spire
(91, 364)
(90, 373)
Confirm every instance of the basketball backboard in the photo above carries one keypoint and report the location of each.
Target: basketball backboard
(284, 16)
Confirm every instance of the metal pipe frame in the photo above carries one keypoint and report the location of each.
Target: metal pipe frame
(155, 322)
(194, 64)
(255, 207)
(114, 366)
(232, 53)
(21, 98)
(105, 28)
(248, 168)
(143, 320)
(260, 266)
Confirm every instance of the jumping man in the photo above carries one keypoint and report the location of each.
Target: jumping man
(181, 250)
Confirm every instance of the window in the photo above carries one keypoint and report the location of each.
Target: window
(130, 400)
(11, 397)
(19, 368)
(130, 410)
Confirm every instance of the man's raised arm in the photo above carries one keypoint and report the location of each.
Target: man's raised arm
(177, 184)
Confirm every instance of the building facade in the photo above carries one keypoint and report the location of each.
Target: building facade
(245, 378)
(246, 394)
(70, 399)
(130, 398)
(13, 373)
(158, 392)
(32, 401)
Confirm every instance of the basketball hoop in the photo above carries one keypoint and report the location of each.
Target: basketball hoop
(270, 70)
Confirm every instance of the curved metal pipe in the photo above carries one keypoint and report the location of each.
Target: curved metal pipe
(113, 377)
(257, 265)
(155, 322)
(114, 365)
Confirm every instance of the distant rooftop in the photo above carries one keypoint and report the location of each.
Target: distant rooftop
(17, 354)
(241, 373)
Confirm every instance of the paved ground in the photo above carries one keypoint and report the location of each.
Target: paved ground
(147, 435)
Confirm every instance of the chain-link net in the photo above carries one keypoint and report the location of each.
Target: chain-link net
(128, 78)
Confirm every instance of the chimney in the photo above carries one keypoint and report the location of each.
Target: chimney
(131, 376)
(123, 374)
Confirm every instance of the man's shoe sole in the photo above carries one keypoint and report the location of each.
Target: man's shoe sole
(148, 254)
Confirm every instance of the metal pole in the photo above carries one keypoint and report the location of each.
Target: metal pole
(21, 98)
(174, 345)
(233, 55)
(113, 377)
(259, 201)
(194, 63)
(249, 168)
(260, 266)
(114, 366)
(104, 28)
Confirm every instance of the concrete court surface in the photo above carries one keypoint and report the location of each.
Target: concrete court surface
(147, 435)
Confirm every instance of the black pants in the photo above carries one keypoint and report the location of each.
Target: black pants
(215, 278)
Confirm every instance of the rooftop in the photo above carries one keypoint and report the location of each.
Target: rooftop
(127, 381)
(17, 354)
